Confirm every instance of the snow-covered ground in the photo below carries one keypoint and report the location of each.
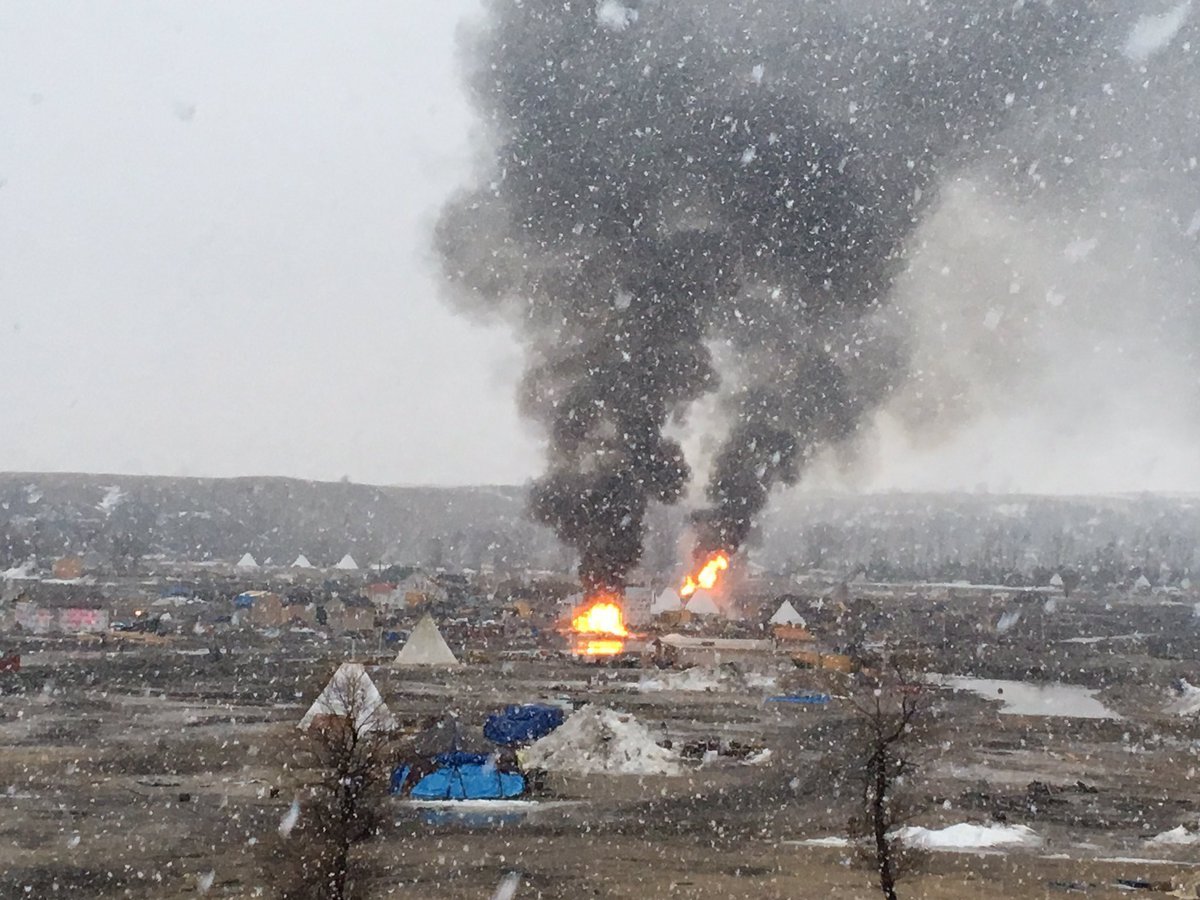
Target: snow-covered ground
(1020, 698)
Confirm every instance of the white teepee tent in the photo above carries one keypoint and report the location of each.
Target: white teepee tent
(787, 615)
(351, 690)
(426, 647)
(702, 603)
(667, 601)
(247, 561)
(302, 562)
(347, 562)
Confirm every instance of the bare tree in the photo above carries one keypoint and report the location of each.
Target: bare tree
(890, 706)
(343, 753)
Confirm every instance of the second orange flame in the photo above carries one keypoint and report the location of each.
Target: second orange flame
(707, 577)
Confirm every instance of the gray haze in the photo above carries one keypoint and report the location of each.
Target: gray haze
(214, 231)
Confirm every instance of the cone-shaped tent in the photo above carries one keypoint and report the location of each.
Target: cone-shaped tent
(351, 692)
(302, 562)
(702, 603)
(247, 562)
(787, 615)
(426, 647)
(667, 601)
(346, 562)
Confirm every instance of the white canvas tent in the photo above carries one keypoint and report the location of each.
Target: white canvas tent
(787, 615)
(347, 562)
(302, 562)
(247, 561)
(351, 691)
(667, 601)
(426, 647)
(702, 603)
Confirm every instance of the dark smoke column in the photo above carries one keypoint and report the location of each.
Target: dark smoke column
(666, 173)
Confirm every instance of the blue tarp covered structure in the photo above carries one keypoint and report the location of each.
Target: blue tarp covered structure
(461, 776)
(522, 724)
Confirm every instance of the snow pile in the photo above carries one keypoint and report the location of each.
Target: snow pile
(1153, 33)
(965, 836)
(112, 498)
(1186, 702)
(596, 740)
(705, 679)
(1178, 836)
(18, 573)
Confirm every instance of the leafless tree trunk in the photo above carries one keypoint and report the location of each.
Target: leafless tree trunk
(889, 706)
(344, 756)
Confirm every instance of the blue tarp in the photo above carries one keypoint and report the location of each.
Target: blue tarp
(243, 601)
(521, 724)
(462, 776)
(807, 697)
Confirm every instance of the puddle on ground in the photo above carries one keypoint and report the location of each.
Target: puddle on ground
(1023, 698)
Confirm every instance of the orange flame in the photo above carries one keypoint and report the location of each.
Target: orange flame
(602, 648)
(708, 575)
(603, 616)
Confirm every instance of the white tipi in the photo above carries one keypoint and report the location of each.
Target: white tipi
(667, 601)
(351, 691)
(302, 562)
(347, 562)
(787, 615)
(702, 603)
(426, 647)
(247, 561)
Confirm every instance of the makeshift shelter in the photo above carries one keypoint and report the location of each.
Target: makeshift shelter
(522, 724)
(302, 562)
(460, 776)
(426, 647)
(351, 692)
(247, 561)
(346, 562)
(787, 615)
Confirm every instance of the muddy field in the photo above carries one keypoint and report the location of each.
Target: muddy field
(135, 773)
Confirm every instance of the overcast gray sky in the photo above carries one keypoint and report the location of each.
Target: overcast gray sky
(213, 256)
(214, 225)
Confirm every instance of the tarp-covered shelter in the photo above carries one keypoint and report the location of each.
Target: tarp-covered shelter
(460, 776)
(522, 724)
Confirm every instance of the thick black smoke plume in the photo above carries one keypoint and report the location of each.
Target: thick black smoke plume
(670, 172)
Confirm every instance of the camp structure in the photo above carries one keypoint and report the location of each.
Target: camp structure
(351, 692)
(302, 562)
(247, 561)
(666, 601)
(786, 615)
(426, 647)
(460, 776)
(346, 562)
(702, 603)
